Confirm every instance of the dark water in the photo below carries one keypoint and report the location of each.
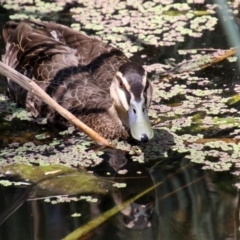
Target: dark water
(188, 203)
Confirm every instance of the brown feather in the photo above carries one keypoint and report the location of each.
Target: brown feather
(72, 68)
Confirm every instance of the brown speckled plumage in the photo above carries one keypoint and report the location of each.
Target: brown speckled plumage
(71, 67)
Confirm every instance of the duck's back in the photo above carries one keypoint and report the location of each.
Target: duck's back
(101, 59)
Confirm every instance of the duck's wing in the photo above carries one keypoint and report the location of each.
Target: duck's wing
(31, 51)
(54, 67)
(35, 54)
(101, 59)
(88, 49)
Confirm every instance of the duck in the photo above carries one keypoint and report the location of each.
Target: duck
(92, 79)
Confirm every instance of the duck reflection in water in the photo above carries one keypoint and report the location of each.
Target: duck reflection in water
(138, 214)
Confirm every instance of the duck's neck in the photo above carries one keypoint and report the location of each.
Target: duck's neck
(120, 115)
(123, 116)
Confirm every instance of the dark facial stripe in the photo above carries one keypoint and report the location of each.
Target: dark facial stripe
(121, 84)
(145, 92)
(128, 96)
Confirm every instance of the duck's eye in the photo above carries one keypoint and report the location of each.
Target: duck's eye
(121, 86)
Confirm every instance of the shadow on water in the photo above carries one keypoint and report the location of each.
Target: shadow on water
(187, 203)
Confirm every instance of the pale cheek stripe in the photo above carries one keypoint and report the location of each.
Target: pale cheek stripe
(126, 84)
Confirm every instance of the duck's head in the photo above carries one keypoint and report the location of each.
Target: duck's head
(131, 92)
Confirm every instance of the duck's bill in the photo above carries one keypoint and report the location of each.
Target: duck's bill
(140, 126)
